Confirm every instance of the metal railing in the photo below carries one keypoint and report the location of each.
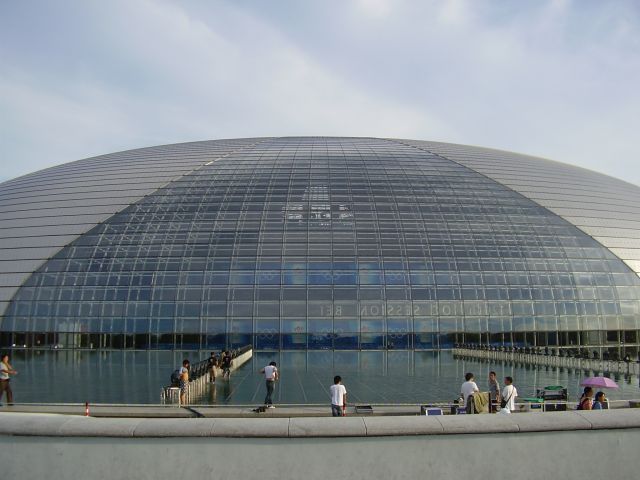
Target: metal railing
(567, 359)
(199, 376)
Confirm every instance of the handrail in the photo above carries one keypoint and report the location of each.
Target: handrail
(536, 356)
(199, 375)
(201, 367)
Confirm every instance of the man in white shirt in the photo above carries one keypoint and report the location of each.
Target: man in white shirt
(468, 388)
(270, 376)
(509, 394)
(338, 397)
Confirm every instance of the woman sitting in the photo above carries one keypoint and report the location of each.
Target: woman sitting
(600, 402)
(586, 401)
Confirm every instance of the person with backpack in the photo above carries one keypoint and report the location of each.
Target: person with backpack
(586, 401)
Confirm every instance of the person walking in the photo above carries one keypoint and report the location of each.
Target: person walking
(184, 381)
(338, 397)
(509, 394)
(6, 370)
(270, 376)
(494, 392)
(227, 362)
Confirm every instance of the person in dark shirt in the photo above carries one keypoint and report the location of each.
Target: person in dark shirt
(494, 392)
(227, 362)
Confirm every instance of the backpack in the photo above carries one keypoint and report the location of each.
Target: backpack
(175, 377)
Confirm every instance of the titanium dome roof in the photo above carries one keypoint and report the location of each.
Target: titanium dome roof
(435, 220)
(43, 211)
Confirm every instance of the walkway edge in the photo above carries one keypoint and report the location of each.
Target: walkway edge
(55, 425)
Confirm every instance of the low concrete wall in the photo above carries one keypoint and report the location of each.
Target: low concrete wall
(54, 425)
(520, 446)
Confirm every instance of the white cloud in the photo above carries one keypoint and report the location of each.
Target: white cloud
(376, 8)
(454, 12)
(551, 78)
(193, 82)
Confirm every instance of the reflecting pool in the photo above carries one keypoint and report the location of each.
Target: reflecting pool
(379, 377)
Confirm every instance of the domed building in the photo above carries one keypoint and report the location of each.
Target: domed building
(318, 243)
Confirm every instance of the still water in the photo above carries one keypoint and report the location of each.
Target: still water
(376, 377)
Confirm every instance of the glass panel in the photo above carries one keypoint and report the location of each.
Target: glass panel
(377, 243)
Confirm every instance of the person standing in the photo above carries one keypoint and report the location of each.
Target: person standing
(184, 381)
(212, 363)
(494, 392)
(6, 370)
(468, 388)
(270, 376)
(227, 361)
(338, 397)
(509, 394)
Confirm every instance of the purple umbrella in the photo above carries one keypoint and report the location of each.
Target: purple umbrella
(599, 382)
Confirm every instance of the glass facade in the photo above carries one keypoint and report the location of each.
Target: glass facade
(604, 207)
(329, 243)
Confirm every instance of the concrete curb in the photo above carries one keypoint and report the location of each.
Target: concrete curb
(54, 425)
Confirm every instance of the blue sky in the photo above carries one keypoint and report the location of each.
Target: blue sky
(554, 78)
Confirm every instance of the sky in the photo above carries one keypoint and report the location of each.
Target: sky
(554, 78)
